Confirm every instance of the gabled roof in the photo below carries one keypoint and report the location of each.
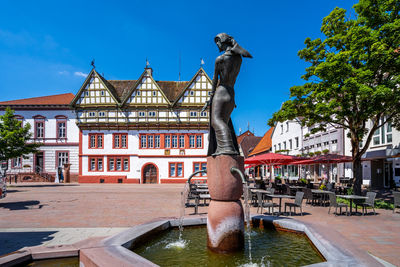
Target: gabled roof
(243, 135)
(264, 145)
(201, 70)
(122, 87)
(107, 85)
(61, 99)
(248, 143)
(172, 89)
(164, 86)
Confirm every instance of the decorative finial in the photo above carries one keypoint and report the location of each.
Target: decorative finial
(201, 62)
(147, 63)
(92, 63)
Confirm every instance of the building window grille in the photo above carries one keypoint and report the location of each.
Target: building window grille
(39, 129)
(150, 141)
(199, 141)
(197, 166)
(203, 114)
(167, 141)
(96, 140)
(174, 141)
(157, 141)
(193, 113)
(61, 129)
(62, 158)
(192, 143)
(143, 141)
(181, 141)
(176, 169)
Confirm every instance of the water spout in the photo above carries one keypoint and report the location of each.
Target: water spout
(236, 170)
(195, 173)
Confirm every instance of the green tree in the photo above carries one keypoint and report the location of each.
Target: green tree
(13, 137)
(353, 76)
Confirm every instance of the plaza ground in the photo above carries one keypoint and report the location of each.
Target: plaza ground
(49, 214)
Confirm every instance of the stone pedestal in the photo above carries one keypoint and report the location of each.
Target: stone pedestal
(67, 176)
(225, 221)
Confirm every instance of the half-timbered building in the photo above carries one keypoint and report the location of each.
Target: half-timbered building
(141, 131)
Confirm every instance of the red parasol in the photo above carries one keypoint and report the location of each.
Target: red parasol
(327, 158)
(270, 159)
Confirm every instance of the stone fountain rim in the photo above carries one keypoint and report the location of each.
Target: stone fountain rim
(115, 249)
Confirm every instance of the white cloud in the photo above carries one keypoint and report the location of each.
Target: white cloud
(81, 74)
(64, 72)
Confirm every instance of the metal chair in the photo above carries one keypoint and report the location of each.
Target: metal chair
(265, 204)
(369, 202)
(297, 203)
(396, 201)
(333, 203)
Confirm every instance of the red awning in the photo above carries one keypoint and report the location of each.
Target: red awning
(270, 159)
(327, 158)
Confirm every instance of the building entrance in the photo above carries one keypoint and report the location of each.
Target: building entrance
(388, 175)
(149, 174)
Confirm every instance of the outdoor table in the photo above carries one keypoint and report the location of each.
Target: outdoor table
(200, 196)
(322, 192)
(203, 186)
(351, 198)
(280, 200)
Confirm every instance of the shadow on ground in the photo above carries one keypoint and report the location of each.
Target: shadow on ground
(39, 185)
(22, 205)
(12, 241)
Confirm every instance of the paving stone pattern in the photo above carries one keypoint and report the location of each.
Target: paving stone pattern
(61, 214)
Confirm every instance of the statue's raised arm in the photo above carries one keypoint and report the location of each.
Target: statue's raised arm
(222, 100)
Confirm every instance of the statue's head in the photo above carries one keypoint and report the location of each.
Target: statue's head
(224, 41)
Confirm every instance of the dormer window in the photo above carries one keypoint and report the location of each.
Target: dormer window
(203, 114)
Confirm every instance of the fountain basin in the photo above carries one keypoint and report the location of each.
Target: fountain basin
(115, 250)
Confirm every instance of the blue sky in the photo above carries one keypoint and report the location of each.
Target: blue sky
(46, 46)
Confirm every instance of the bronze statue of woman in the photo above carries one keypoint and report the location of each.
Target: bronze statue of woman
(222, 137)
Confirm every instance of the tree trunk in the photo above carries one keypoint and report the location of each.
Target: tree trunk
(357, 175)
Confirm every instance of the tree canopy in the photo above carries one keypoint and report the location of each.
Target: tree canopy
(13, 137)
(353, 75)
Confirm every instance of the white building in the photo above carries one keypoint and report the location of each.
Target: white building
(53, 124)
(381, 162)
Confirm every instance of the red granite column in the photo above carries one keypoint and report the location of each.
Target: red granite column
(225, 222)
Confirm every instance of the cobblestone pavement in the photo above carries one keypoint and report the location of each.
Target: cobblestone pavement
(60, 214)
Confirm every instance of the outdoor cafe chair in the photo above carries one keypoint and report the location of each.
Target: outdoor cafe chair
(309, 196)
(396, 200)
(265, 204)
(333, 203)
(369, 202)
(297, 203)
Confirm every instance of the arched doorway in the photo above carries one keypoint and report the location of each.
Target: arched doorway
(149, 174)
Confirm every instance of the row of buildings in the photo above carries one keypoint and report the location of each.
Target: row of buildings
(150, 131)
(380, 164)
(118, 131)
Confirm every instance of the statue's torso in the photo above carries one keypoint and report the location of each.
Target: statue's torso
(228, 66)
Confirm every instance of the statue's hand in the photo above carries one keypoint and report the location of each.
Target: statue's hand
(205, 105)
